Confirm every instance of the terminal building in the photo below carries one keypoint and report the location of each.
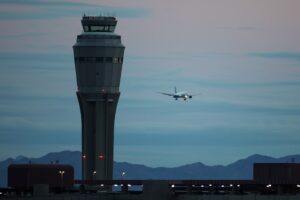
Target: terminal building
(268, 178)
(277, 173)
(25, 176)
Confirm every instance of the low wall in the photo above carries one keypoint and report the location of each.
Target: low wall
(237, 197)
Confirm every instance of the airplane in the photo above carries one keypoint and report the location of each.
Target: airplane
(176, 95)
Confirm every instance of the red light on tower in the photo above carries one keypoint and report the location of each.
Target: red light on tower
(101, 157)
(83, 157)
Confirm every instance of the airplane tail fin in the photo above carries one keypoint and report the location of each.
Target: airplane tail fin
(175, 89)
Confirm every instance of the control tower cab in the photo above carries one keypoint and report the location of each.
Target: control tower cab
(98, 55)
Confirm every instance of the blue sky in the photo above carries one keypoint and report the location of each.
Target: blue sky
(242, 56)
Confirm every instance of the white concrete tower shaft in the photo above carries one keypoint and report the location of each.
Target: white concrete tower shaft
(98, 55)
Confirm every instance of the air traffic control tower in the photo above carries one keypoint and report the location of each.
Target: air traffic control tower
(98, 55)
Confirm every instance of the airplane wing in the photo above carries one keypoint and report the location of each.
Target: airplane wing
(166, 94)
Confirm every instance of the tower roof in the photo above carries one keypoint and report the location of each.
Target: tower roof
(98, 23)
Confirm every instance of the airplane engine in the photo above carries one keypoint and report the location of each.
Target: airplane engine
(190, 96)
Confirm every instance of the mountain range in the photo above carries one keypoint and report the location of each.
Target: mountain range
(241, 169)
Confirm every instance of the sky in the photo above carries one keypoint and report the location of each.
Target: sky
(243, 56)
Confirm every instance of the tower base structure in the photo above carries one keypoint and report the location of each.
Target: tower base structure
(98, 117)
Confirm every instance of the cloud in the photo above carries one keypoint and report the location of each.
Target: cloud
(33, 137)
(293, 56)
(240, 28)
(45, 9)
(34, 57)
(42, 3)
(21, 35)
(230, 136)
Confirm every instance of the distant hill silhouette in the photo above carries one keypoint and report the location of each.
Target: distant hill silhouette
(241, 169)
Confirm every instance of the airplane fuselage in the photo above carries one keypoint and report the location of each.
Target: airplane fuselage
(184, 95)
